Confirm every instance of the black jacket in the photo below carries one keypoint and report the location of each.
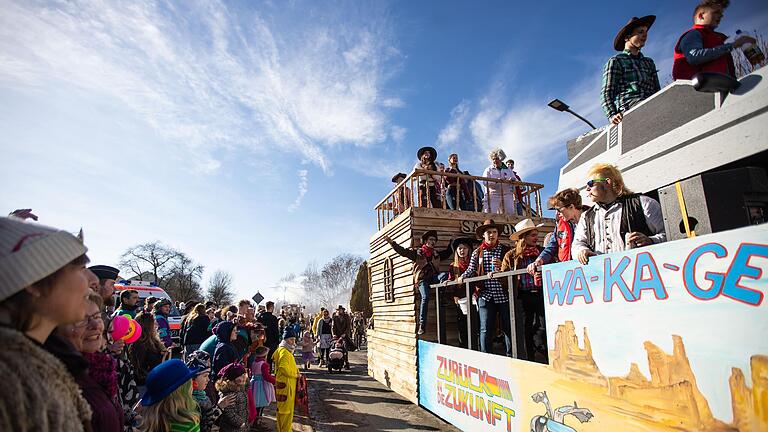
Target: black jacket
(196, 331)
(273, 330)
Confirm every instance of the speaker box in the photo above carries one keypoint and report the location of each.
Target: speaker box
(717, 201)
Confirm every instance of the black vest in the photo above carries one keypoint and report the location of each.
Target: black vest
(632, 216)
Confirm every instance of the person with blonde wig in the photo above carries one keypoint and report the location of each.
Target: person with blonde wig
(620, 219)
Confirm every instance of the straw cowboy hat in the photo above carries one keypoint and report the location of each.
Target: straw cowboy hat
(523, 227)
(425, 149)
(646, 21)
(487, 224)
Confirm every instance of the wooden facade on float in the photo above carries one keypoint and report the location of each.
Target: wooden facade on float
(392, 355)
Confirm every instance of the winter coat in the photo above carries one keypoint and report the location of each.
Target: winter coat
(164, 329)
(196, 331)
(225, 352)
(342, 324)
(272, 329)
(234, 418)
(209, 412)
(39, 393)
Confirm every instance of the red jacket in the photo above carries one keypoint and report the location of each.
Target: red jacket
(564, 234)
(681, 69)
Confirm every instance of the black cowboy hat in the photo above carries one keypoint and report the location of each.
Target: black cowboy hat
(429, 149)
(462, 240)
(397, 176)
(646, 21)
(487, 224)
(428, 234)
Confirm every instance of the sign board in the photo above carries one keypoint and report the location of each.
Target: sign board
(667, 337)
(258, 298)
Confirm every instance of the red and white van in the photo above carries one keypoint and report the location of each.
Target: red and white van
(146, 289)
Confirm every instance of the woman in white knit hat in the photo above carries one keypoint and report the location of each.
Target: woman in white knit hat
(43, 284)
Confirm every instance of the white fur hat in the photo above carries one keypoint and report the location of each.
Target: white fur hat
(29, 252)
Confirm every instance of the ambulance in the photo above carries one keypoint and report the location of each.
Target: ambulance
(147, 289)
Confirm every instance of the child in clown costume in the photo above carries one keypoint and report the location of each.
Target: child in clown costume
(287, 375)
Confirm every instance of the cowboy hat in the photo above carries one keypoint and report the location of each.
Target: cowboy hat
(487, 224)
(397, 176)
(428, 234)
(523, 227)
(429, 149)
(462, 240)
(646, 21)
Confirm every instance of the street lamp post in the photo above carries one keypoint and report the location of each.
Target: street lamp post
(559, 105)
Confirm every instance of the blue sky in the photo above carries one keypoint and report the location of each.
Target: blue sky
(257, 136)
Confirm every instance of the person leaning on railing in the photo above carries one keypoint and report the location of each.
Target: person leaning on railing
(528, 287)
(457, 188)
(429, 196)
(426, 269)
(557, 247)
(403, 198)
(493, 298)
(620, 220)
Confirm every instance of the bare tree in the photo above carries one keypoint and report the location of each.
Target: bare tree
(149, 261)
(184, 281)
(220, 288)
(333, 282)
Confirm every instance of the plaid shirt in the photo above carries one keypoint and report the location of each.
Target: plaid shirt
(493, 291)
(627, 80)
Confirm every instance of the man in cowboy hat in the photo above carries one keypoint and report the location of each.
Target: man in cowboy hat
(426, 269)
(494, 297)
(341, 327)
(629, 77)
(403, 198)
(428, 196)
(528, 287)
(701, 48)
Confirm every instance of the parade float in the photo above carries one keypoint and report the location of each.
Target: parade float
(670, 337)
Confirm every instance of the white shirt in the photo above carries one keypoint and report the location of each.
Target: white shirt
(504, 174)
(607, 224)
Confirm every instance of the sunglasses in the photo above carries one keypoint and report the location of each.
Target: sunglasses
(591, 183)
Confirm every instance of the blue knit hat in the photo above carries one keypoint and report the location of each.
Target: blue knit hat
(288, 333)
(164, 379)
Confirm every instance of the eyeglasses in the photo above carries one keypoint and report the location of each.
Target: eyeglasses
(560, 209)
(591, 183)
(89, 319)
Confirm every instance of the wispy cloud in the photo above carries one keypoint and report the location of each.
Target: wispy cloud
(207, 76)
(303, 187)
(452, 131)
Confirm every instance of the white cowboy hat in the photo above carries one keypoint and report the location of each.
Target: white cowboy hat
(522, 227)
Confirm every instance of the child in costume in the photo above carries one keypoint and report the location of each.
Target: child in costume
(307, 348)
(231, 382)
(209, 412)
(168, 402)
(261, 391)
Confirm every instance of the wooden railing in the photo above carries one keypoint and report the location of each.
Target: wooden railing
(427, 189)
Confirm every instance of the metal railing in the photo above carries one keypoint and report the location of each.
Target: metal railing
(441, 336)
(429, 188)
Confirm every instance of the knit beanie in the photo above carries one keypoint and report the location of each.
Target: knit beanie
(30, 252)
(232, 371)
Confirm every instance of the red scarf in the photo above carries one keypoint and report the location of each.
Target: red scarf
(486, 246)
(427, 251)
(531, 251)
(102, 367)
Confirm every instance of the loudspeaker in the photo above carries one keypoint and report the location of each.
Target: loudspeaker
(717, 201)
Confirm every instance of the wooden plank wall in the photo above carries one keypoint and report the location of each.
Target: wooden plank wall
(392, 356)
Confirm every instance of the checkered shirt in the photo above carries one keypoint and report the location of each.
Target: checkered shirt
(627, 80)
(493, 290)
